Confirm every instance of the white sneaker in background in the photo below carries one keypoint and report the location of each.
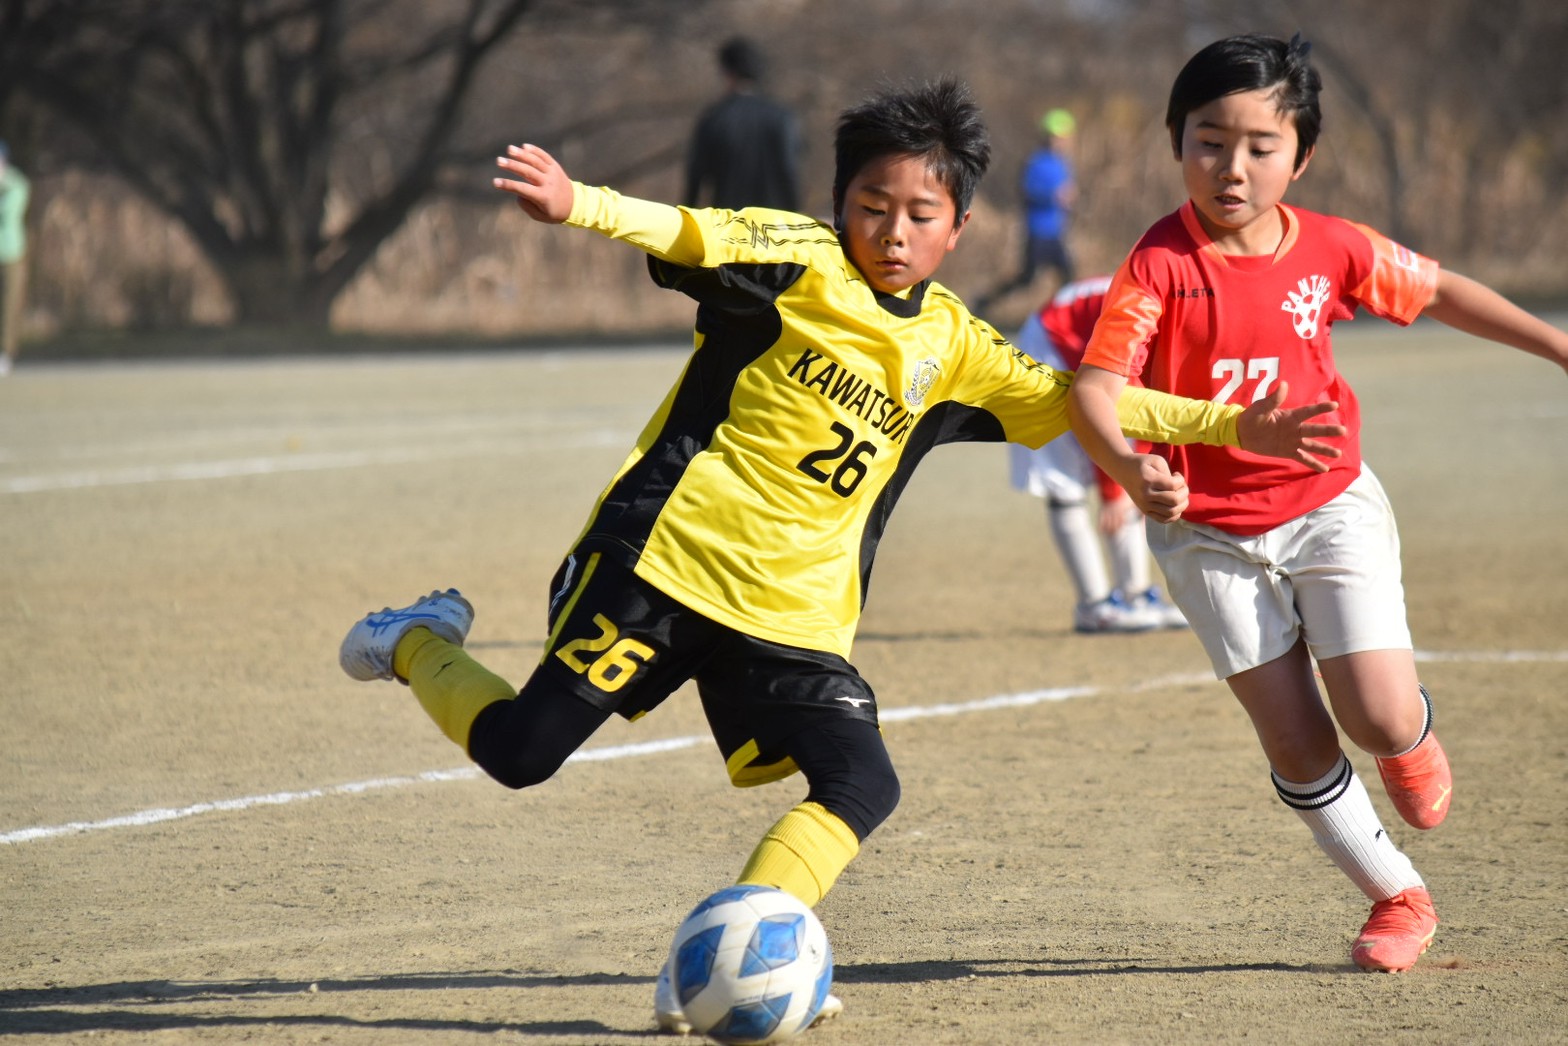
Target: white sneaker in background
(1164, 613)
(1112, 614)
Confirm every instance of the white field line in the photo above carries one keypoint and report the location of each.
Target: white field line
(632, 751)
(304, 462)
(199, 439)
(146, 817)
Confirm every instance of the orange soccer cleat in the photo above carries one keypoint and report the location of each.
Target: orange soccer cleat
(1420, 783)
(1399, 930)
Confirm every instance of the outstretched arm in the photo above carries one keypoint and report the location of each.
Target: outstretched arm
(1263, 428)
(1475, 308)
(547, 194)
(539, 183)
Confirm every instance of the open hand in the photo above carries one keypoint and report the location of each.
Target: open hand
(541, 186)
(1265, 428)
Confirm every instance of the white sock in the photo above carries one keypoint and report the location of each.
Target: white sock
(1079, 547)
(1129, 549)
(1346, 827)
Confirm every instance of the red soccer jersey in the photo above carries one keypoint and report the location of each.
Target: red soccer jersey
(1182, 317)
(1068, 318)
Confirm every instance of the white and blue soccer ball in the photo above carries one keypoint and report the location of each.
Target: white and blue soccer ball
(751, 964)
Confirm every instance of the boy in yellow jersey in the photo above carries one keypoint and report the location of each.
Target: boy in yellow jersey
(734, 544)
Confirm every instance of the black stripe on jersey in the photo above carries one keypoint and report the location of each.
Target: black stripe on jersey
(732, 339)
(733, 287)
(1320, 798)
(947, 422)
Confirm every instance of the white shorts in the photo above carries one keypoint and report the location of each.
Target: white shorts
(1060, 471)
(1331, 576)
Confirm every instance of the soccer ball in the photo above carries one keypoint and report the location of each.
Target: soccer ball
(751, 964)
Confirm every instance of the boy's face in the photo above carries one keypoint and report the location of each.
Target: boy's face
(898, 220)
(1238, 157)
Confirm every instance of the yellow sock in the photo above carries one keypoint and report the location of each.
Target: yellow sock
(803, 853)
(452, 687)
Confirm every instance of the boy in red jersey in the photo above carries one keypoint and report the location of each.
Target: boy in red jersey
(1061, 473)
(1277, 565)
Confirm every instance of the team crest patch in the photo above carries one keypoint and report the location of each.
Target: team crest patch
(1306, 306)
(924, 377)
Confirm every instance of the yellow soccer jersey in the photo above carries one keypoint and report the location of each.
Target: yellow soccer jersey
(759, 490)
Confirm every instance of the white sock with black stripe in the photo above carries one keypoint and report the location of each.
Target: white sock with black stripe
(1346, 827)
(1426, 725)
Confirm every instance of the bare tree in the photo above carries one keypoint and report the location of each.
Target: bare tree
(292, 138)
(230, 115)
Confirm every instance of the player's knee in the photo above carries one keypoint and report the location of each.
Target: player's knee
(862, 798)
(524, 742)
(882, 792)
(515, 769)
(515, 750)
(849, 771)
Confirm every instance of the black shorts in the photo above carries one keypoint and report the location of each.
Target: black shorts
(1042, 254)
(623, 646)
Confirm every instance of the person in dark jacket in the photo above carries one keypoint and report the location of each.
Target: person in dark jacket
(745, 150)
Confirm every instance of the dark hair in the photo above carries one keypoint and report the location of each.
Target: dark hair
(1249, 63)
(741, 59)
(938, 121)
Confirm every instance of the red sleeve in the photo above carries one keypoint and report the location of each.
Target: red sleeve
(1401, 282)
(1128, 323)
(1110, 490)
(1070, 316)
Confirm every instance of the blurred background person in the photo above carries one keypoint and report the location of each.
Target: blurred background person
(1049, 191)
(745, 150)
(14, 190)
(1126, 600)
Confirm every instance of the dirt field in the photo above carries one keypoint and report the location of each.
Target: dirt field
(209, 834)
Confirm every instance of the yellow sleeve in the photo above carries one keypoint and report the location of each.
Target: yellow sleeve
(661, 230)
(1030, 399)
(1162, 418)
